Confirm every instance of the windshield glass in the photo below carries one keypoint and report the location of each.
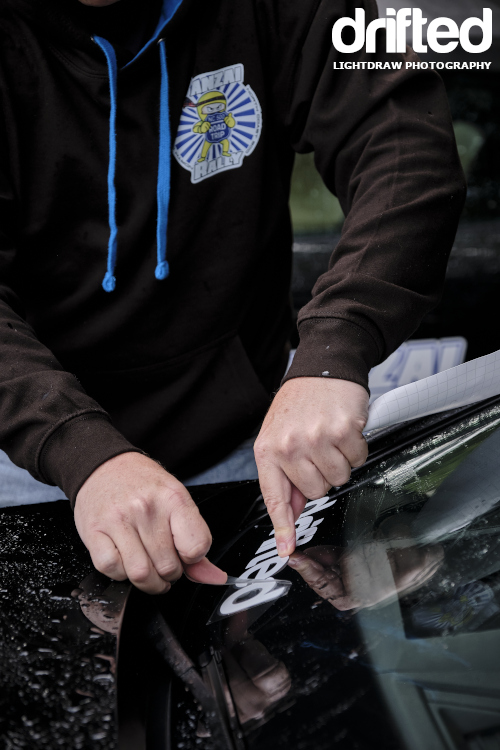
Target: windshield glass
(389, 635)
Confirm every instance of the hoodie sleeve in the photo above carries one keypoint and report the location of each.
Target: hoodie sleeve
(383, 143)
(48, 424)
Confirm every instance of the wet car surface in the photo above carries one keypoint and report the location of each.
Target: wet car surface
(59, 623)
(387, 637)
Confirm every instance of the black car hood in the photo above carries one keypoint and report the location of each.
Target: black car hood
(367, 665)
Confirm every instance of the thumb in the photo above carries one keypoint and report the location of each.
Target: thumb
(205, 572)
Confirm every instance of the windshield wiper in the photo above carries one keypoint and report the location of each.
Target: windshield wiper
(172, 653)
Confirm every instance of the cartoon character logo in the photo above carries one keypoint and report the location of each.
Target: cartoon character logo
(214, 123)
(221, 123)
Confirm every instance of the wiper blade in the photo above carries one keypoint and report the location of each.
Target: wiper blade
(167, 645)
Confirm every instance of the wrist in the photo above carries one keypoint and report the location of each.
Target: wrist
(77, 448)
(334, 348)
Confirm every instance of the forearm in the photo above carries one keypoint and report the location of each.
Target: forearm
(384, 144)
(48, 424)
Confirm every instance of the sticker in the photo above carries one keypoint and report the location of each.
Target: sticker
(221, 123)
(266, 563)
(254, 594)
(470, 606)
(414, 360)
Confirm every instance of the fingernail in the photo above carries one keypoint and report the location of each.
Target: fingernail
(282, 549)
(292, 562)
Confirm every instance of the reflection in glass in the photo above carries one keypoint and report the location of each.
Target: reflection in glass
(399, 596)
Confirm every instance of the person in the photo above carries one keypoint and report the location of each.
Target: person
(165, 351)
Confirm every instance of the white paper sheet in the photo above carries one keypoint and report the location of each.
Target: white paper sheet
(414, 360)
(473, 381)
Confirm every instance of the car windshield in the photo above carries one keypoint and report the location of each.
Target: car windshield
(389, 635)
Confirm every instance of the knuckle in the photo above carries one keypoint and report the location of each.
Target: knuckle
(197, 550)
(171, 570)
(318, 491)
(360, 460)
(341, 475)
(341, 432)
(143, 506)
(162, 589)
(139, 574)
(272, 450)
(289, 444)
(108, 565)
(261, 450)
(359, 423)
(364, 451)
(180, 498)
(119, 517)
(315, 439)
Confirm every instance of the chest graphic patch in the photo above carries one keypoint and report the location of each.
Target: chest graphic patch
(221, 123)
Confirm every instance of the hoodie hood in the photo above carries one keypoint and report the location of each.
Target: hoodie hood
(128, 24)
(69, 24)
(63, 25)
(54, 21)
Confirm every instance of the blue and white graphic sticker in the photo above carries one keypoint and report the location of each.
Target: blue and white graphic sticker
(221, 123)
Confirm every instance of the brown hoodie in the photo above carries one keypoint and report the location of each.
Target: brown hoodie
(183, 367)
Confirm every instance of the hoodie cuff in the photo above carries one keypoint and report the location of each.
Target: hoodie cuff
(333, 348)
(77, 448)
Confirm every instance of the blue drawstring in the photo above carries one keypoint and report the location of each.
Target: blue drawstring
(109, 281)
(163, 185)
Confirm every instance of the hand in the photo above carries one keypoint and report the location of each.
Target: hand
(205, 127)
(139, 522)
(368, 574)
(310, 439)
(257, 679)
(230, 121)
